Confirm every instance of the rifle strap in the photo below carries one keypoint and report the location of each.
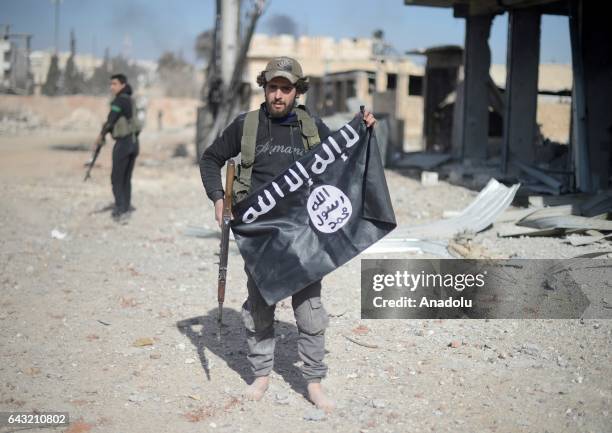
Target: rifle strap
(310, 138)
(247, 156)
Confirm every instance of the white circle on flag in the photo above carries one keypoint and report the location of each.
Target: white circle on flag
(329, 208)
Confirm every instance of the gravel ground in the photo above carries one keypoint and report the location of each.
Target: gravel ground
(116, 324)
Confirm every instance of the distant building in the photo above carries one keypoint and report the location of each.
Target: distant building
(5, 63)
(352, 68)
(40, 60)
(586, 164)
(14, 62)
(342, 69)
(85, 63)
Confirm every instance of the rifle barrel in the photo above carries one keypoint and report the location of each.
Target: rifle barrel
(92, 162)
(225, 234)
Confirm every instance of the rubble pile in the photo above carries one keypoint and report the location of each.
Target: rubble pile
(14, 122)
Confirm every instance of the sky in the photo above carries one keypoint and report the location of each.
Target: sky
(144, 29)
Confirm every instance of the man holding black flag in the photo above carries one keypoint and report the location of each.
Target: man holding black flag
(270, 140)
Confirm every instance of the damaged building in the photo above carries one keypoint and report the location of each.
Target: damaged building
(15, 68)
(469, 116)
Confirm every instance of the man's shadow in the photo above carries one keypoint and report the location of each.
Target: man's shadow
(202, 331)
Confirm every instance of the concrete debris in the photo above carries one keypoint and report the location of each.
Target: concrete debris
(142, 397)
(555, 186)
(591, 237)
(377, 403)
(314, 415)
(540, 201)
(557, 220)
(143, 342)
(63, 299)
(468, 250)
(57, 234)
(531, 349)
(429, 178)
(517, 231)
(593, 255)
(565, 222)
(597, 205)
(13, 122)
(282, 399)
(424, 161)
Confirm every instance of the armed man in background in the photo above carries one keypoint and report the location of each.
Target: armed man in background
(123, 125)
(270, 139)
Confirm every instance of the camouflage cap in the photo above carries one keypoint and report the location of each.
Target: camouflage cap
(284, 67)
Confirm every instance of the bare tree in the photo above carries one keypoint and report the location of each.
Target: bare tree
(73, 80)
(51, 86)
(209, 127)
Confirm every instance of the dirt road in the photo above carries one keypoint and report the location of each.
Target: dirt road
(116, 324)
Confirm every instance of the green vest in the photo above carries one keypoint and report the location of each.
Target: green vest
(124, 126)
(242, 181)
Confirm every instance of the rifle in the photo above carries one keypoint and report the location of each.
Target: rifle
(225, 234)
(91, 163)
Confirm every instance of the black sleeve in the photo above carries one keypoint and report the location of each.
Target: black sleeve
(226, 146)
(119, 107)
(324, 131)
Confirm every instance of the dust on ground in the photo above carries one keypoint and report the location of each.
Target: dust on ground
(116, 324)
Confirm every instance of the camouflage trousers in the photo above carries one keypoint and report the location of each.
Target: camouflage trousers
(311, 319)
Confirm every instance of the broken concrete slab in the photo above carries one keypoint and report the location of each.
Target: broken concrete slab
(591, 237)
(556, 186)
(597, 205)
(517, 231)
(592, 255)
(424, 161)
(558, 200)
(565, 222)
(429, 178)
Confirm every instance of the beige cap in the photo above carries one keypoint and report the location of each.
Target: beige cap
(284, 67)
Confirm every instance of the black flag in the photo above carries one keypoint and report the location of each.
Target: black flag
(322, 211)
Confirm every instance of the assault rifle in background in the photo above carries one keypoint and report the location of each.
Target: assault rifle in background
(91, 162)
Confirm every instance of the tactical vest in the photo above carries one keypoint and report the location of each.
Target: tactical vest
(124, 126)
(242, 181)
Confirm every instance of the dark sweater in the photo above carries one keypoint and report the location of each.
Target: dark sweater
(121, 105)
(278, 145)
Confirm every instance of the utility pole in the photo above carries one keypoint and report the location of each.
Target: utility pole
(72, 43)
(57, 11)
(213, 117)
(230, 28)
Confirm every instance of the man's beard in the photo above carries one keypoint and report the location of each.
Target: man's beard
(277, 114)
